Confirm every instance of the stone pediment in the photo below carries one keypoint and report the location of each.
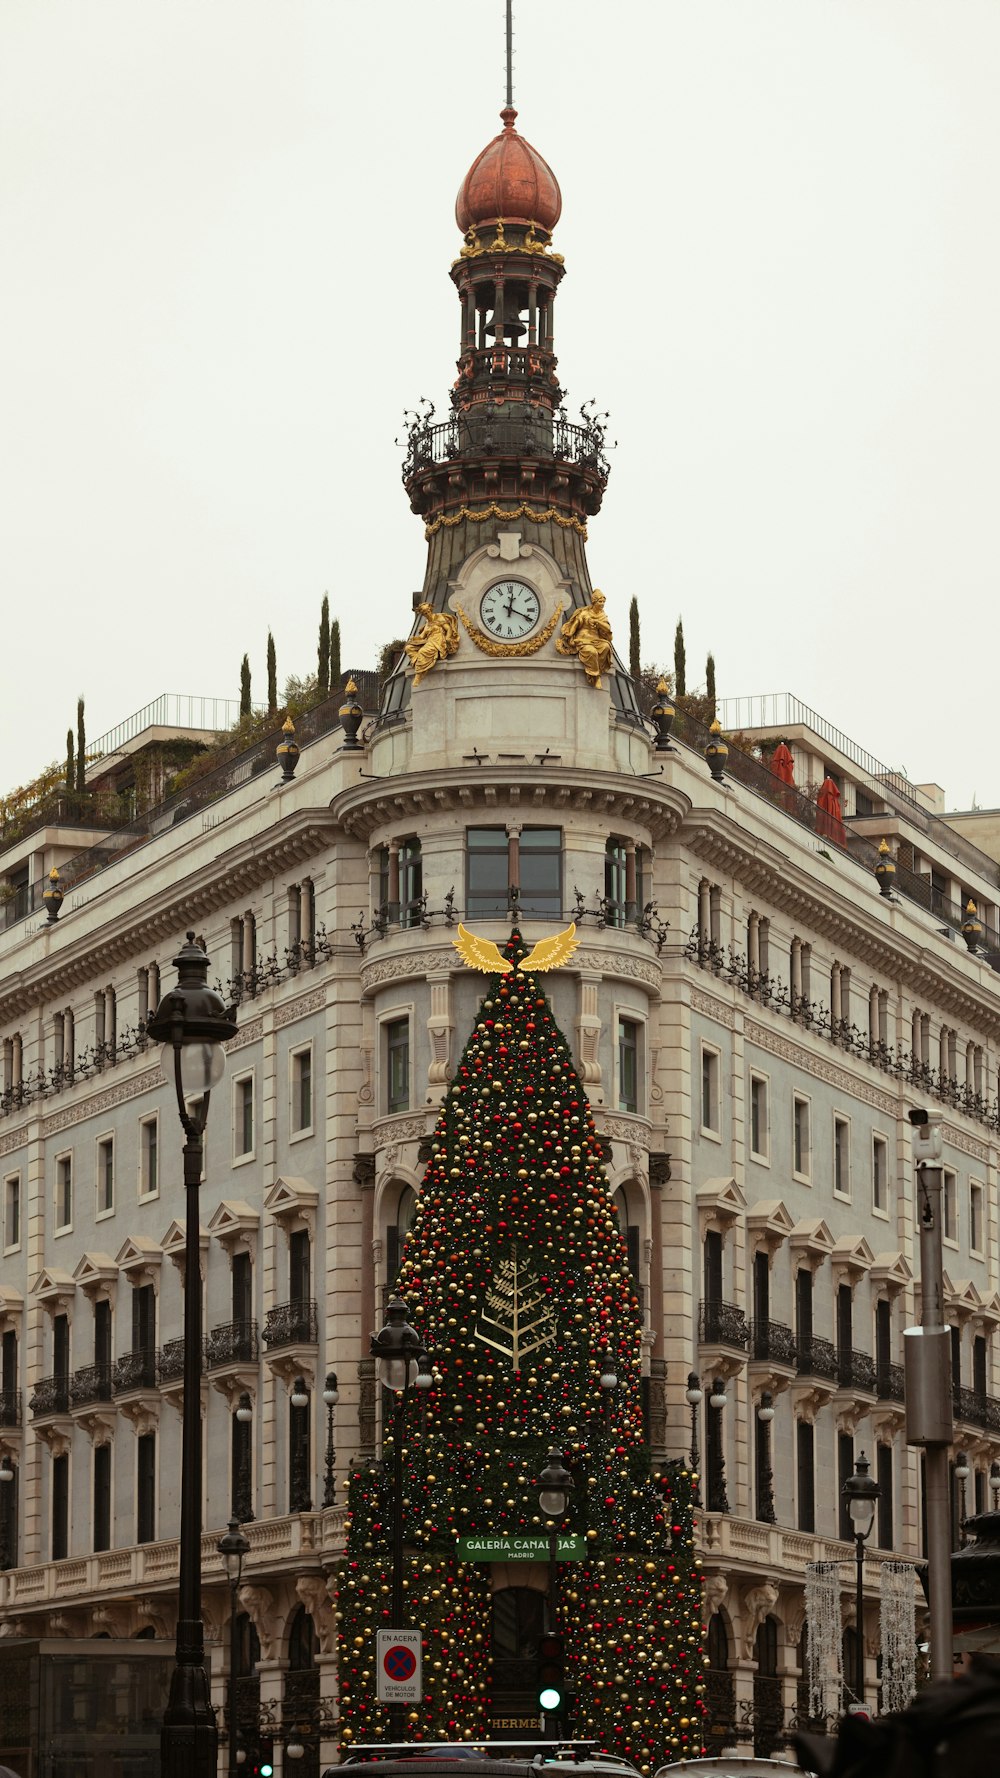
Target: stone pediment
(96, 1273)
(851, 1257)
(891, 1270)
(235, 1224)
(770, 1222)
(54, 1289)
(962, 1296)
(290, 1200)
(720, 1202)
(140, 1259)
(11, 1305)
(174, 1242)
(811, 1240)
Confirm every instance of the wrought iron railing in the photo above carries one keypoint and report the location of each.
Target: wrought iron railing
(291, 1324)
(816, 1357)
(235, 1342)
(92, 1383)
(722, 1324)
(855, 1370)
(134, 1370)
(772, 1341)
(720, 1708)
(490, 430)
(50, 1396)
(889, 1382)
(10, 1407)
(170, 1362)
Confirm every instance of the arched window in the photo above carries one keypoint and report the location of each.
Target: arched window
(301, 1642)
(631, 1234)
(395, 1235)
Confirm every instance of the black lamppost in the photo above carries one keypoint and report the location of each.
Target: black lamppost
(7, 1554)
(243, 1500)
(233, 1548)
(694, 1396)
(718, 1501)
(331, 1396)
(401, 1362)
(300, 1492)
(192, 1023)
(861, 1493)
(555, 1484)
(962, 1473)
(765, 1474)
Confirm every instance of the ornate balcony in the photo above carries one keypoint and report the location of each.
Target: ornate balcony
(772, 1343)
(889, 1382)
(816, 1358)
(134, 1370)
(855, 1370)
(291, 1324)
(51, 1396)
(91, 1384)
(723, 1324)
(236, 1342)
(10, 1407)
(170, 1362)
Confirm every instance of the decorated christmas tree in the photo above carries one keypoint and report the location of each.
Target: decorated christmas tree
(515, 1276)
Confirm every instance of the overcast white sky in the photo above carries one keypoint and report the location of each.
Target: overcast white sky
(226, 228)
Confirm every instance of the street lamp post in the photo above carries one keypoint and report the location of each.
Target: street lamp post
(718, 1501)
(331, 1396)
(555, 1484)
(962, 1473)
(765, 1474)
(861, 1492)
(401, 1362)
(243, 1501)
(192, 1023)
(300, 1492)
(7, 1555)
(233, 1548)
(694, 1395)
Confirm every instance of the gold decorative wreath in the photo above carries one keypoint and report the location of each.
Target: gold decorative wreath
(548, 953)
(493, 511)
(488, 646)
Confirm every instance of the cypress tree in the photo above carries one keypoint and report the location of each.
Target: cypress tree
(710, 684)
(515, 1276)
(680, 661)
(70, 761)
(245, 686)
(323, 669)
(634, 656)
(335, 652)
(272, 677)
(81, 748)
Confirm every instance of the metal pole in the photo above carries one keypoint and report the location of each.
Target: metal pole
(397, 1709)
(859, 1608)
(330, 1487)
(553, 1597)
(190, 1738)
(929, 1186)
(233, 1656)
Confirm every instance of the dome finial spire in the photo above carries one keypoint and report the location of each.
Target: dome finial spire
(510, 55)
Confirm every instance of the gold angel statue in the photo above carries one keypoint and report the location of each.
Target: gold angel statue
(435, 642)
(548, 953)
(587, 634)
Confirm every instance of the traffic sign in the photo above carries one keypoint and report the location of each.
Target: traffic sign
(399, 1673)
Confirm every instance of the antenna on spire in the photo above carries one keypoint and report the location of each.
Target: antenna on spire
(510, 54)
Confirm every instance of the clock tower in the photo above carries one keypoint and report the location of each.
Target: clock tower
(506, 482)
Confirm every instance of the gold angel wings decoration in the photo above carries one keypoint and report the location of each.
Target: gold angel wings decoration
(482, 953)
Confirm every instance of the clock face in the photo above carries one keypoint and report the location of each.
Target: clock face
(509, 610)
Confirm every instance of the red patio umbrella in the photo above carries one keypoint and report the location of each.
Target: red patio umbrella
(829, 815)
(782, 764)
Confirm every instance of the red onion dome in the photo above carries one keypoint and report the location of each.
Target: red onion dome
(509, 180)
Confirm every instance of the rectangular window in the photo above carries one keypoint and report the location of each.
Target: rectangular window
(880, 1173)
(806, 1471)
(759, 1133)
(615, 881)
(60, 1348)
(8, 1384)
(299, 1266)
(710, 1107)
(979, 1365)
(845, 1468)
(12, 1211)
(241, 1454)
(975, 1218)
(713, 1267)
(842, 1157)
(486, 871)
(397, 1064)
(801, 1145)
(60, 1508)
(541, 872)
(242, 1288)
(243, 1116)
(102, 1497)
(302, 1091)
(64, 1192)
(105, 1175)
(949, 1206)
(411, 883)
(145, 1490)
(883, 1343)
(628, 1065)
(144, 1321)
(803, 1305)
(102, 1338)
(149, 1168)
(883, 1475)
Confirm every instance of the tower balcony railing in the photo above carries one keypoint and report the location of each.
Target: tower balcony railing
(816, 1357)
(291, 1324)
(772, 1342)
(50, 1396)
(722, 1324)
(92, 1383)
(235, 1342)
(486, 432)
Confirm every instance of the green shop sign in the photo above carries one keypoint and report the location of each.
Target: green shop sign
(499, 1547)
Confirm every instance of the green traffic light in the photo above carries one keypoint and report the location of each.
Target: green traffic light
(549, 1699)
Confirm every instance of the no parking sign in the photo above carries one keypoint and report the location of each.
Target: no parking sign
(399, 1679)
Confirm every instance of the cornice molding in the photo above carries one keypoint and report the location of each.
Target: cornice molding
(777, 1044)
(658, 809)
